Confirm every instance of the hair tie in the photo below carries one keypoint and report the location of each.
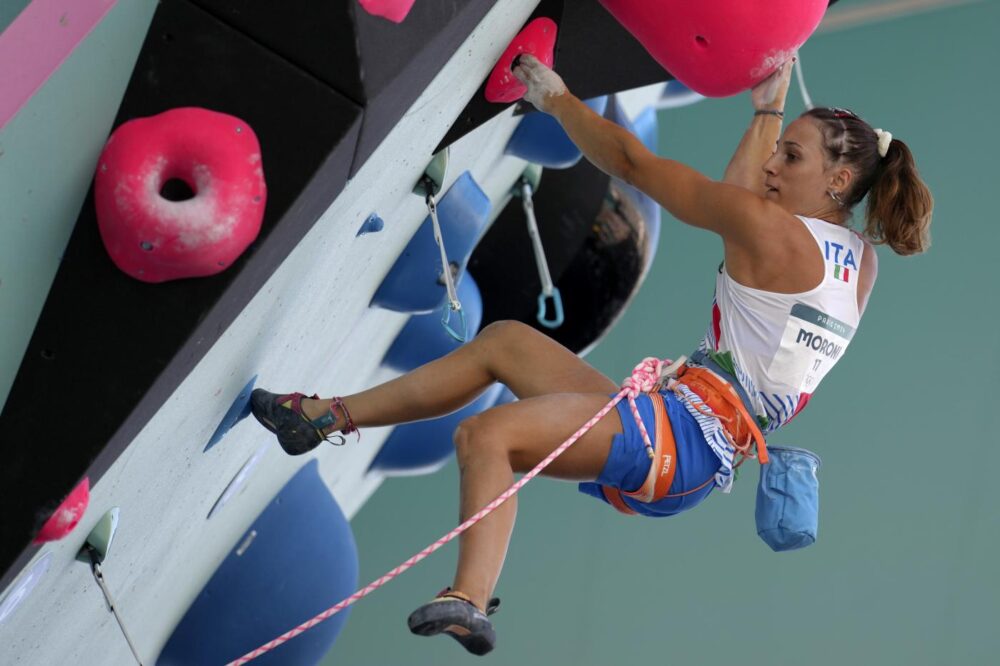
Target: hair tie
(884, 139)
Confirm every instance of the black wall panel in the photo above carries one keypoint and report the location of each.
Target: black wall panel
(566, 207)
(381, 65)
(594, 55)
(108, 350)
(597, 56)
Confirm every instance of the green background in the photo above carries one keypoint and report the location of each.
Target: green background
(904, 569)
(9, 9)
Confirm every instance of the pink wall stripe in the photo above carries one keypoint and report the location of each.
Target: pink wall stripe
(36, 44)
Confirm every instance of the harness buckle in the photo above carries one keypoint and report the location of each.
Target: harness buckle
(672, 371)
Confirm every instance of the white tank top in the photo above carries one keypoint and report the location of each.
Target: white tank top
(780, 346)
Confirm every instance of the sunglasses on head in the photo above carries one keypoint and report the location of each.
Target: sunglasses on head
(842, 113)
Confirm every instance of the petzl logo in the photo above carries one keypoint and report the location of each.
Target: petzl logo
(667, 460)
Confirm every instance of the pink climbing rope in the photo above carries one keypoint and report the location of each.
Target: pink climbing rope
(645, 378)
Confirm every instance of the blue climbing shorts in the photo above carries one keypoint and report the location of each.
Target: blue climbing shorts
(628, 463)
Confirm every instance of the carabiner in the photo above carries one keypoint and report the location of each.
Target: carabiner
(557, 305)
(455, 306)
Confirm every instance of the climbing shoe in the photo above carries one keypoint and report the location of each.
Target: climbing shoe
(453, 613)
(282, 415)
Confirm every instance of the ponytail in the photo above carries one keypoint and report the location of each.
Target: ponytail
(899, 204)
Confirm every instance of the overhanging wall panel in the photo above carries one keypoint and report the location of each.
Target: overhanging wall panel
(588, 37)
(381, 65)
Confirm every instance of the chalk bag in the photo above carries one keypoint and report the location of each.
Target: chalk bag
(787, 511)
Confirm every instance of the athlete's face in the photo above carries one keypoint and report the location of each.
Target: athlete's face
(798, 176)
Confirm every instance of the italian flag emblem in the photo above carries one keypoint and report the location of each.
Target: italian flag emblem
(842, 273)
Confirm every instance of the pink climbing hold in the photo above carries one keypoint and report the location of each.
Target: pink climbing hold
(719, 47)
(394, 10)
(67, 515)
(537, 38)
(155, 239)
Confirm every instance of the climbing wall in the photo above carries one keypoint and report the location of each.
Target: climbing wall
(143, 340)
(157, 375)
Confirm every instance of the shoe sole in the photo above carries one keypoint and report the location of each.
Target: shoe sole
(439, 617)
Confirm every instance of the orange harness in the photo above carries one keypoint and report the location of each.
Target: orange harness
(724, 403)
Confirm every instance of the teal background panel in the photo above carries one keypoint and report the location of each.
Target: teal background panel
(9, 10)
(48, 152)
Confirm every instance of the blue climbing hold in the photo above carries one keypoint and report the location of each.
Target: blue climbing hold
(239, 410)
(414, 282)
(423, 339)
(647, 128)
(676, 94)
(505, 397)
(424, 447)
(373, 224)
(297, 559)
(539, 138)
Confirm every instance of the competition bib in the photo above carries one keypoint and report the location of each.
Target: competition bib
(812, 343)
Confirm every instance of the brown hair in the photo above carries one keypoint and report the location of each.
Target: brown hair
(899, 204)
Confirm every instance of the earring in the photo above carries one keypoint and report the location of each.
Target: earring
(836, 197)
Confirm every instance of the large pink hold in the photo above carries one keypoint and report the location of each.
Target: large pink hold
(537, 38)
(394, 10)
(155, 239)
(68, 515)
(719, 47)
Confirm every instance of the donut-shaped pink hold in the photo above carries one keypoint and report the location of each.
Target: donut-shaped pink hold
(394, 10)
(719, 47)
(537, 38)
(155, 239)
(67, 515)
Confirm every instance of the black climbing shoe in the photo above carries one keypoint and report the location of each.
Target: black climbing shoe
(454, 614)
(282, 415)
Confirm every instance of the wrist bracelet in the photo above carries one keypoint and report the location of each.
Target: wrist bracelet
(769, 112)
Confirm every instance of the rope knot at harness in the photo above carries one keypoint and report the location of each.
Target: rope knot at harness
(646, 378)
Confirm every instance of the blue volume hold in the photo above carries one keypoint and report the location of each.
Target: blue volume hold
(423, 339)
(297, 559)
(423, 447)
(539, 138)
(414, 283)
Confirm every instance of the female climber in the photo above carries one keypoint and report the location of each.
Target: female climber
(789, 296)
